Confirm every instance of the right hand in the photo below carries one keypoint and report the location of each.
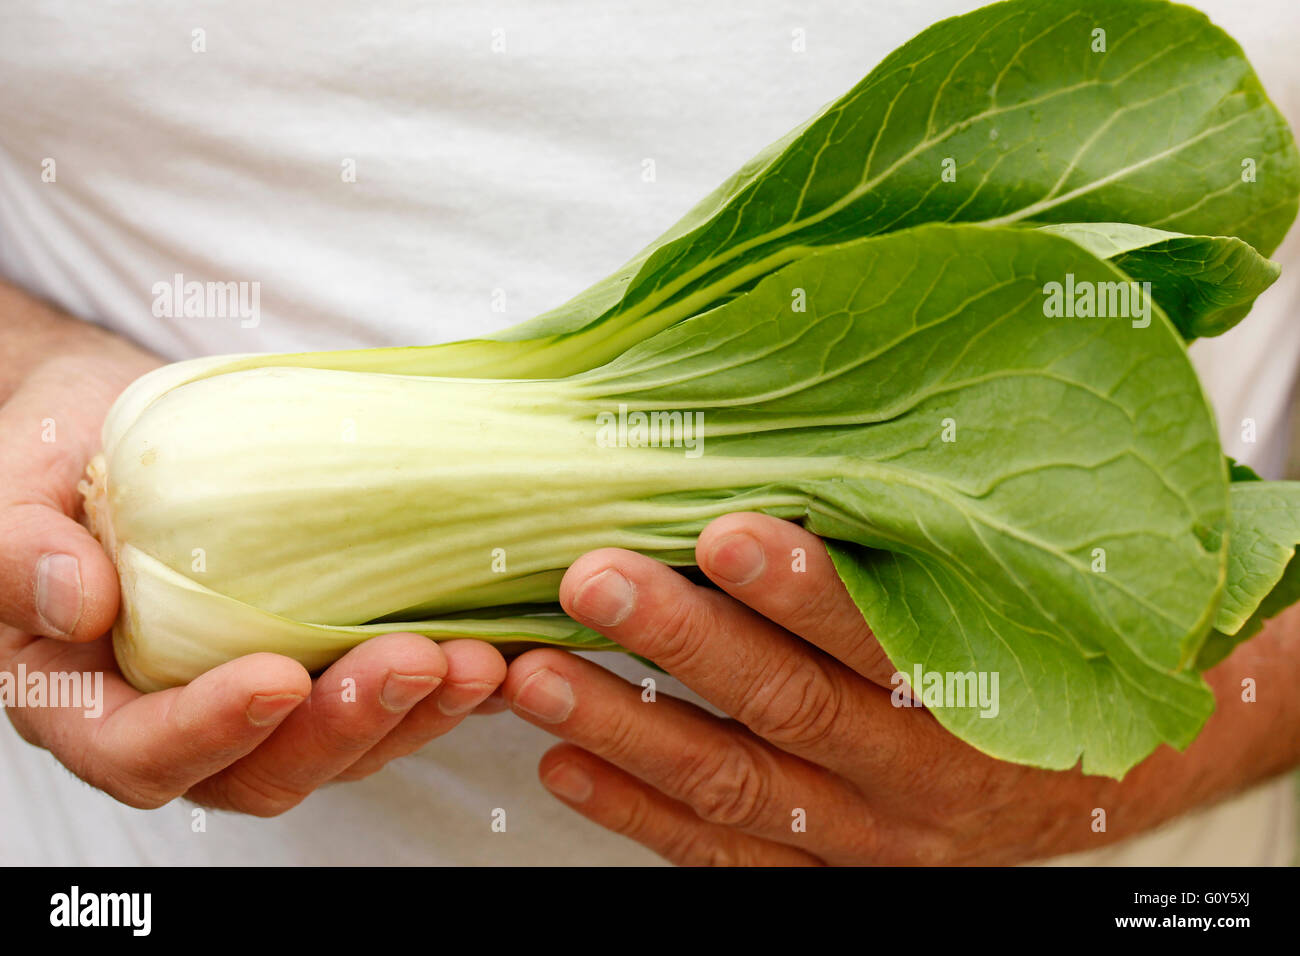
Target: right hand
(255, 735)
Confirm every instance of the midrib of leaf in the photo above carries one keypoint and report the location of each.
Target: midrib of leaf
(971, 47)
(674, 357)
(667, 290)
(977, 593)
(1207, 197)
(664, 292)
(1101, 130)
(1025, 588)
(1044, 204)
(942, 491)
(828, 375)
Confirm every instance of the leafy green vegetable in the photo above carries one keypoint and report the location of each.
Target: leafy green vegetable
(835, 415)
(1263, 575)
(176, 628)
(855, 331)
(1038, 125)
(1207, 284)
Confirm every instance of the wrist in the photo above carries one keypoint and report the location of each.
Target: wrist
(37, 339)
(99, 366)
(1252, 736)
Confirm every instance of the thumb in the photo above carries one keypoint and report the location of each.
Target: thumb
(55, 579)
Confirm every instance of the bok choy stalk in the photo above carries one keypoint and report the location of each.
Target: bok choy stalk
(843, 334)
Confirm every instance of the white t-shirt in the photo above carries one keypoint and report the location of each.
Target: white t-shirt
(499, 154)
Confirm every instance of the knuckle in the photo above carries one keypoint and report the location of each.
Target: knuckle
(864, 654)
(794, 703)
(691, 847)
(131, 787)
(823, 601)
(635, 819)
(688, 845)
(621, 735)
(827, 604)
(138, 779)
(932, 849)
(922, 756)
(725, 786)
(356, 772)
(866, 837)
(916, 767)
(343, 732)
(379, 757)
(675, 638)
(250, 792)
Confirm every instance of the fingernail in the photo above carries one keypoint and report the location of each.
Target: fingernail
(547, 696)
(401, 692)
(58, 592)
(266, 709)
(737, 559)
(569, 783)
(605, 599)
(457, 699)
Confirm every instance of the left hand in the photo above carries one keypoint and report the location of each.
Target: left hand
(815, 736)
(255, 735)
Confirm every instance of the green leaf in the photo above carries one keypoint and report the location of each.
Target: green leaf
(1206, 284)
(1238, 471)
(978, 554)
(1038, 126)
(1263, 574)
(1004, 115)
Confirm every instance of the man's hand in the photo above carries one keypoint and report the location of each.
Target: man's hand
(255, 735)
(817, 765)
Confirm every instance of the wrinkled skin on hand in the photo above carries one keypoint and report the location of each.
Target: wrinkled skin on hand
(814, 764)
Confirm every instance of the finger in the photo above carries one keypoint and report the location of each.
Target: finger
(725, 775)
(147, 749)
(785, 574)
(353, 705)
(474, 670)
(494, 703)
(55, 579)
(620, 802)
(782, 688)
